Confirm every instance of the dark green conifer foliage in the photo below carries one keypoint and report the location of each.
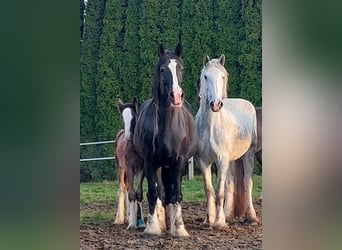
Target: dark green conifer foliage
(168, 23)
(149, 34)
(82, 12)
(109, 78)
(251, 48)
(119, 42)
(88, 70)
(228, 39)
(196, 36)
(130, 70)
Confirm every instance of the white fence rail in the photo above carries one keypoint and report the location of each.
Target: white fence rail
(99, 158)
(190, 163)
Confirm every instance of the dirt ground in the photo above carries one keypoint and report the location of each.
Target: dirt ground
(109, 236)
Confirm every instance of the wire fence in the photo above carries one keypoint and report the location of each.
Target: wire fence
(190, 162)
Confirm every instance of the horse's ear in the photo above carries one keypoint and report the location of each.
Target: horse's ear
(206, 60)
(120, 105)
(161, 50)
(222, 59)
(135, 103)
(178, 49)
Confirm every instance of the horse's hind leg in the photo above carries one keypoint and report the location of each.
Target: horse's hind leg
(122, 190)
(248, 164)
(132, 221)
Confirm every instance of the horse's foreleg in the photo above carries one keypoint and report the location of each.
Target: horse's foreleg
(248, 164)
(152, 225)
(160, 206)
(122, 191)
(174, 209)
(229, 194)
(222, 169)
(139, 196)
(209, 192)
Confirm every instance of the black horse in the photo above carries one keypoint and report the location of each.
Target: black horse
(166, 137)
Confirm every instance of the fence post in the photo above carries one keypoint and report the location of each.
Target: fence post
(191, 168)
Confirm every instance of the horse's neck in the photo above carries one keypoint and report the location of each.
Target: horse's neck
(213, 118)
(164, 114)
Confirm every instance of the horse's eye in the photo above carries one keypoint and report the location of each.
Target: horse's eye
(162, 69)
(205, 77)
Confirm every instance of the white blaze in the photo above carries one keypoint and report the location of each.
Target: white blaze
(127, 118)
(175, 87)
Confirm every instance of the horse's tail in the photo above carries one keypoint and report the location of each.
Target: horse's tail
(240, 202)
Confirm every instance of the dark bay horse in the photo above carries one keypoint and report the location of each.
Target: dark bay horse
(166, 137)
(128, 165)
(228, 132)
(258, 152)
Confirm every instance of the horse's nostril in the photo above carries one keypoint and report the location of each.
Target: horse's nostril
(182, 95)
(221, 104)
(172, 94)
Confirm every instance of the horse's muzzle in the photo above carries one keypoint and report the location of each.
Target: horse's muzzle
(216, 106)
(177, 98)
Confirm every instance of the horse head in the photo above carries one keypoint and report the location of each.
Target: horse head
(128, 113)
(167, 78)
(213, 82)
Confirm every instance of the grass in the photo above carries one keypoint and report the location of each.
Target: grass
(106, 193)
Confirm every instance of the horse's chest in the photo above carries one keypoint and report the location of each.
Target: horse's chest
(213, 140)
(172, 138)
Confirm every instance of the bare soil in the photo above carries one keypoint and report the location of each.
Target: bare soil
(238, 235)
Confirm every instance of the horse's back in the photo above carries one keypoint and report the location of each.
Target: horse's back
(242, 113)
(238, 106)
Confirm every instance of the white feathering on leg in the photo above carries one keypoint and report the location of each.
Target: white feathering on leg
(133, 209)
(152, 225)
(174, 212)
(161, 215)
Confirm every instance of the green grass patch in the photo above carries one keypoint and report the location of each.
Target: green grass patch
(99, 217)
(193, 190)
(257, 187)
(98, 192)
(106, 193)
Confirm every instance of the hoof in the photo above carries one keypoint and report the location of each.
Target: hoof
(252, 221)
(154, 231)
(220, 226)
(230, 219)
(119, 222)
(130, 226)
(181, 232)
(207, 223)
